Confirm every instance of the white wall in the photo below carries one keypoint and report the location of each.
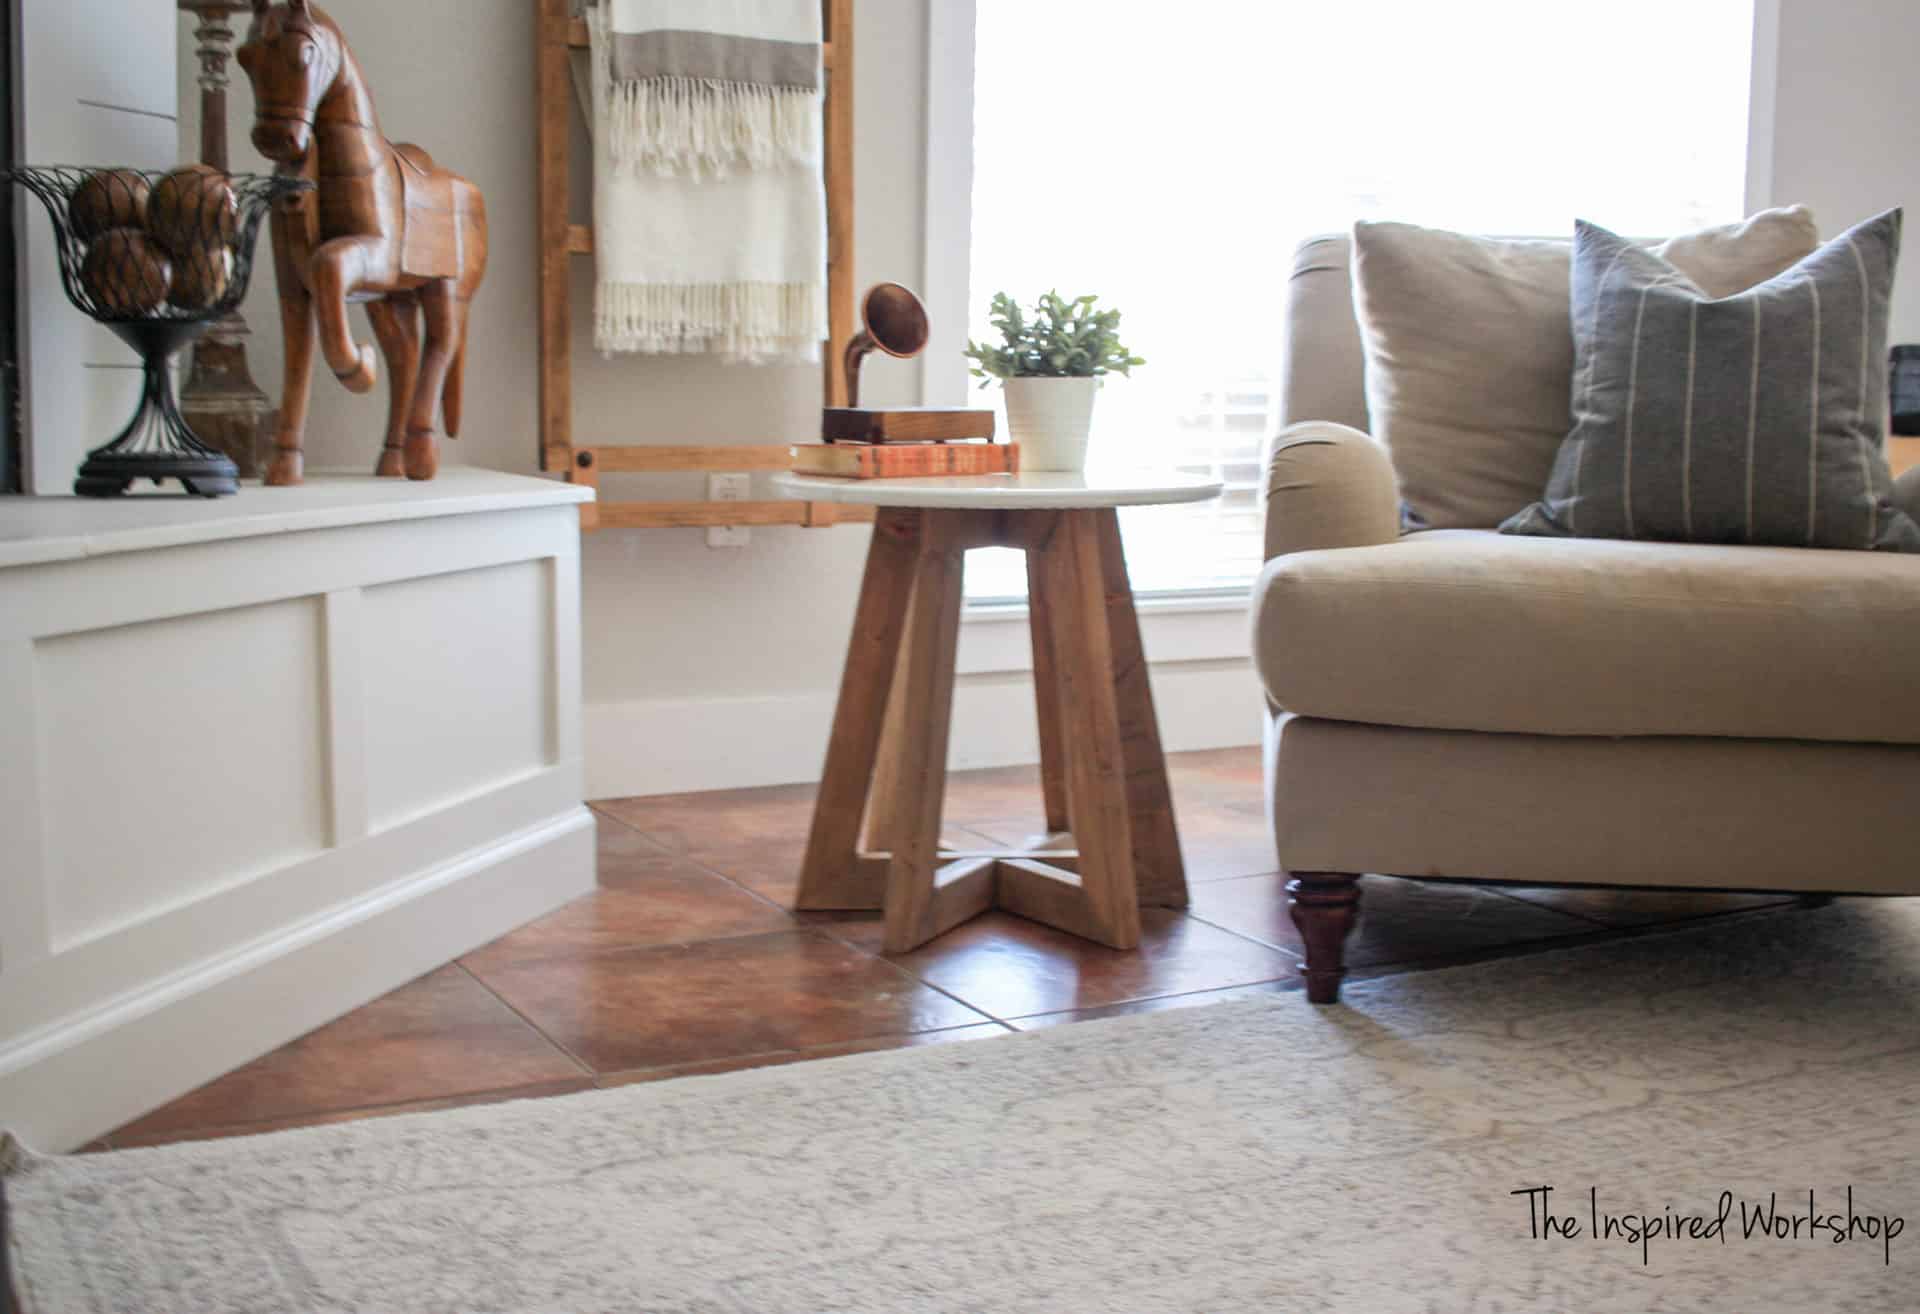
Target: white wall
(1843, 107)
(704, 668)
(97, 86)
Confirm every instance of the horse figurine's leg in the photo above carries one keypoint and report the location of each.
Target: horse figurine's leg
(396, 323)
(452, 396)
(447, 303)
(443, 329)
(296, 330)
(341, 267)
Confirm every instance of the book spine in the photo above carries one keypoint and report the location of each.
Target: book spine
(954, 459)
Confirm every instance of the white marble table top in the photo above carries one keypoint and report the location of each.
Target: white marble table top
(1034, 490)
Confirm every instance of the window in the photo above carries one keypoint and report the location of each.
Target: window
(1169, 157)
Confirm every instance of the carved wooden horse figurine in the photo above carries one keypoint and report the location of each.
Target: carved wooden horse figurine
(386, 227)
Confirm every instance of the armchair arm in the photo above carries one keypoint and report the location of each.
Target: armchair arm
(1906, 492)
(1329, 486)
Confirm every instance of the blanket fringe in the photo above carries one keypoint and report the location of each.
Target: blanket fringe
(674, 126)
(743, 321)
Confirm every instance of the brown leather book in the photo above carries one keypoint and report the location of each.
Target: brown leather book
(905, 460)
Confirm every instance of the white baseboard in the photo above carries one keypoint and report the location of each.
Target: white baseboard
(672, 746)
(77, 1080)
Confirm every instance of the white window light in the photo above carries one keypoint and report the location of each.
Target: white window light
(1168, 159)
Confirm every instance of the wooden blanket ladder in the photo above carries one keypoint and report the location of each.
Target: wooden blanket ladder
(560, 32)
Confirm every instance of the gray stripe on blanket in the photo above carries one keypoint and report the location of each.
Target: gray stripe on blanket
(710, 56)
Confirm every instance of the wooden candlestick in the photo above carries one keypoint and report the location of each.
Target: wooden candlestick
(220, 400)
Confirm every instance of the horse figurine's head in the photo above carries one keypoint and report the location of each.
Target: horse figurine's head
(292, 55)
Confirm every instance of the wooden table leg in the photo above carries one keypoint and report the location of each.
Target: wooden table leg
(1103, 771)
(1090, 717)
(922, 897)
(1046, 697)
(1161, 873)
(832, 876)
(881, 804)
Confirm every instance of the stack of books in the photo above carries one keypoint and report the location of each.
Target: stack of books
(903, 444)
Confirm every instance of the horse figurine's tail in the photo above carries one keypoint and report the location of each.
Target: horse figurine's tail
(451, 393)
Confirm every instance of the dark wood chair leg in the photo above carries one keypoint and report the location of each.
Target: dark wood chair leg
(1323, 905)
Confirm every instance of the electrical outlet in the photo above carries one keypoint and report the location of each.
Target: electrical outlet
(729, 488)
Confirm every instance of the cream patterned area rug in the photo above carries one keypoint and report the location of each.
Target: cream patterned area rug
(1263, 1156)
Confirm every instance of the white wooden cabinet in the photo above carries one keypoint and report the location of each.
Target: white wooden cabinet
(265, 758)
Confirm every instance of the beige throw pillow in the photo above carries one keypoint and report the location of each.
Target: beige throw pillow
(1469, 350)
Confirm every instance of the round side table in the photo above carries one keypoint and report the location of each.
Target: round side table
(1111, 843)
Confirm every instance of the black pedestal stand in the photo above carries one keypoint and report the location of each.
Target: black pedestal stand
(113, 275)
(157, 443)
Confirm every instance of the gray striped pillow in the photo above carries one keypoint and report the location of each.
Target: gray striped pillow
(1754, 418)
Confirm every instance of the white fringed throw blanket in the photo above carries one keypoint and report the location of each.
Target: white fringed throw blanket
(709, 203)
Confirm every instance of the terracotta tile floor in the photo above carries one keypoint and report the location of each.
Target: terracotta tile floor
(686, 961)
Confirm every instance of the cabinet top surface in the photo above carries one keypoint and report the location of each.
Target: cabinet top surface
(1037, 490)
(35, 530)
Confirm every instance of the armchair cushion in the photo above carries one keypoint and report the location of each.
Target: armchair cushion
(1472, 630)
(1469, 351)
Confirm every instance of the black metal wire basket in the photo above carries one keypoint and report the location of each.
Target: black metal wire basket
(157, 257)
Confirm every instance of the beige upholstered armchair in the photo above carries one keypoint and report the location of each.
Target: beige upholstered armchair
(1469, 705)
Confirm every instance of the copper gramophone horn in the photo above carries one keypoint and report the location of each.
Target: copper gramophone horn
(895, 322)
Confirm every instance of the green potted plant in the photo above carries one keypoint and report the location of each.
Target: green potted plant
(1051, 360)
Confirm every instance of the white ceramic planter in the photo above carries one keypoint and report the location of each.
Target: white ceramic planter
(1050, 419)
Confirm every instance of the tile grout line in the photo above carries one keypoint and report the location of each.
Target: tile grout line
(1286, 984)
(538, 1030)
(937, 989)
(800, 1052)
(1292, 953)
(1786, 900)
(1585, 939)
(1521, 898)
(614, 950)
(694, 862)
(1582, 930)
(1492, 953)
